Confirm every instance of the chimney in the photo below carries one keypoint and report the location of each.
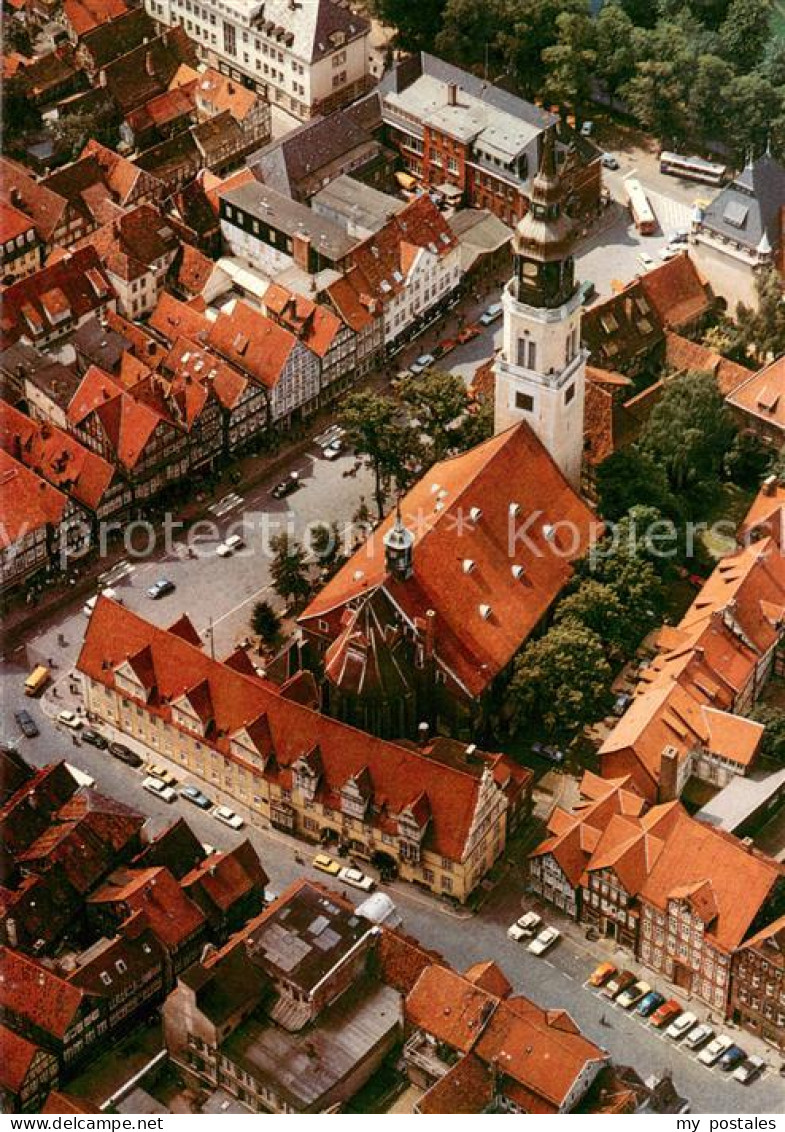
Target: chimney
(16, 197)
(102, 77)
(452, 94)
(301, 246)
(769, 485)
(430, 633)
(668, 790)
(149, 65)
(423, 731)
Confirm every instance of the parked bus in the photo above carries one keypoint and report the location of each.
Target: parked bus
(37, 680)
(640, 208)
(693, 169)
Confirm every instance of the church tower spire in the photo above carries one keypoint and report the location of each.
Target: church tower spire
(541, 371)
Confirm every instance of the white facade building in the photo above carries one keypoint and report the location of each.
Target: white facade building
(307, 56)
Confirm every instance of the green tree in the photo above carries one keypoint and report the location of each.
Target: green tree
(635, 580)
(476, 426)
(417, 23)
(470, 33)
(689, 431)
(527, 28)
(747, 460)
(752, 105)
(762, 330)
(745, 32)
(561, 681)
(570, 62)
(707, 113)
(615, 54)
(325, 544)
(629, 477)
(266, 623)
(773, 719)
(289, 569)
(72, 131)
(437, 402)
(373, 426)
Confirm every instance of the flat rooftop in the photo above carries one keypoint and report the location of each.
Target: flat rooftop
(285, 215)
(742, 798)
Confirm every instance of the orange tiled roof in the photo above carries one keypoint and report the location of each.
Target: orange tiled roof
(683, 355)
(460, 515)
(193, 270)
(56, 456)
(84, 15)
(766, 514)
(763, 395)
(314, 324)
(170, 667)
(37, 995)
(13, 223)
(27, 502)
(17, 1059)
(223, 93)
(466, 1087)
(677, 291)
(170, 913)
(173, 319)
(253, 343)
(449, 1007)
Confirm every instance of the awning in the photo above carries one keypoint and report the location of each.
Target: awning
(406, 180)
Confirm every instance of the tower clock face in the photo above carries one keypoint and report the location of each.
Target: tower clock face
(530, 269)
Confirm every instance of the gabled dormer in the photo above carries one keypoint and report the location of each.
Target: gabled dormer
(356, 794)
(193, 710)
(308, 770)
(253, 742)
(135, 676)
(412, 823)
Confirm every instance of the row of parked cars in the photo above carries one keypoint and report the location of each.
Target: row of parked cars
(158, 780)
(666, 1014)
(349, 874)
(530, 927)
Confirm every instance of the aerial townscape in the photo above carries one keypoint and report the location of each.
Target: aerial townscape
(392, 532)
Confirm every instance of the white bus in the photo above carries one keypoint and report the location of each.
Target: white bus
(640, 208)
(693, 168)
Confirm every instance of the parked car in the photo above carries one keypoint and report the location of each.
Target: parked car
(70, 719)
(699, 1036)
(228, 817)
(608, 161)
(160, 789)
(229, 545)
(524, 927)
(601, 974)
(681, 1025)
(587, 291)
(619, 983)
(94, 738)
(286, 486)
(665, 1014)
(550, 754)
(649, 1003)
(91, 603)
(544, 941)
(421, 363)
(749, 1070)
(680, 236)
(356, 878)
(27, 725)
(587, 129)
(468, 333)
(715, 1050)
(194, 795)
(157, 771)
(160, 589)
(645, 260)
(326, 864)
(493, 313)
(732, 1058)
(633, 994)
(334, 450)
(125, 754)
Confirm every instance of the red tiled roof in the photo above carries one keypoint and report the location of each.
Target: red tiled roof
(766, 514)
(402, 959)
(64, 292)
(13, 223)
(398, 776)
(253, 343)
(173, 319)
(466, 1087)
(55, 455)
(449, 1007)
(221, 93)
(683, 355)
(460, 515)
(35, 994)
(84, 15)
(677, 291)
(192, 366)
(193, 270)
(315, 325)
(763, 395)
(356, 305)
(170, 913)
(27, 502)
(226, 878)
(121, 175)
(128, 420)
(163, 109)
(17, 1059)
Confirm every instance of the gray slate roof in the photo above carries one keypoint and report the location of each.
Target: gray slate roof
(751, 205)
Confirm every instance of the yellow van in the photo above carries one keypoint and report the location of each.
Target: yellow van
(37, 680)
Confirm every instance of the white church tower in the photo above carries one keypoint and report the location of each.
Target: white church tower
(541, 371)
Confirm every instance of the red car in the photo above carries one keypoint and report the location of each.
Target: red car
(468, 333)
(665, 1014)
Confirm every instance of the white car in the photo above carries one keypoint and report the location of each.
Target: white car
(633, 994)
(645, 260)
(699, 1036)
(91, 603)
(749, 1070)
(681, 1025)
(229, 545)
(70, 719)
(713, 1052)
(544, 940)
(422, 363)
(356, 878)
(160, 789)
(493, 312)
(228, 817)
(524, 927)
(333, 450)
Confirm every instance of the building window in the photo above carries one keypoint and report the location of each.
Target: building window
(524, 402)
(230, 39)
(570, 393)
